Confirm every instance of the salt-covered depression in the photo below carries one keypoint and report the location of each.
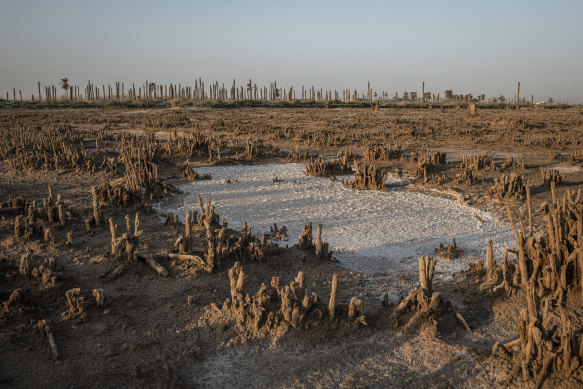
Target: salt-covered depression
(370, 231)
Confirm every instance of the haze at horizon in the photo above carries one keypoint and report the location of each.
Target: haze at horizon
(468, 47)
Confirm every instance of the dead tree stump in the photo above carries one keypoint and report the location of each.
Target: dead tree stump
(305, 239)
(321, 247)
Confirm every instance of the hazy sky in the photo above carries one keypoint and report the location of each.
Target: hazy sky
(468, 46)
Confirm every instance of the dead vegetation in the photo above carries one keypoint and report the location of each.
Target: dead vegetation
(327, 168)
(426, 162)
(72, 272)
(320, 248)
(382, 153)
(275, 309)
(424, 309)
(551, 176)
(512, 186)
(450, 252)
(367, 178)
(192, 175)
(549, 273)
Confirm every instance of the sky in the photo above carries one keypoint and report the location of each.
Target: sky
(467, 46)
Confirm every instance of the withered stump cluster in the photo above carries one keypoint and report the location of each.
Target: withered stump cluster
(382, 153)
(115, 193)
(39, 221)
(423, 306)
(124, 247)
(426, 162)
(477, 162)
(367, 178)
(78, 301)
(508, 187)
(549, 267)
(275, 308)
(450, 252)
(297, 155)
(320, 167)
(513, 162)
(140, 171)
(305, 242)
(215, 238)
(51, 147)
(551, 176)
(45, 272)
(219, 246)
(276, 233)
(467, 177)
(248, 247)
(192, 175)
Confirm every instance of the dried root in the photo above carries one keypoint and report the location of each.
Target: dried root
(509, 186)
(276, 309)
(326, 168)
(124, 247)
(425, 308)
(551, 176)
(192, 175)
(367, 178)
(305, 242)
(549, 268)
(450, 252)
(248, 247)
(382, 153)
(76, 303)
(321, 249)
(45, 327)
(426, 162)
(277, 234)
(305, 239)
(297, 155)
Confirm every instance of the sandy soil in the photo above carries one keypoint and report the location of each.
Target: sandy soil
(177, 331)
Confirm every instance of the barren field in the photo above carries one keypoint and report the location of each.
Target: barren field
(137, 247)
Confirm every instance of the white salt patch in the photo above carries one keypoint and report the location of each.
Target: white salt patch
(370, 231)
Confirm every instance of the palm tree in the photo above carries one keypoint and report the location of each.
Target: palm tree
(65, 85)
